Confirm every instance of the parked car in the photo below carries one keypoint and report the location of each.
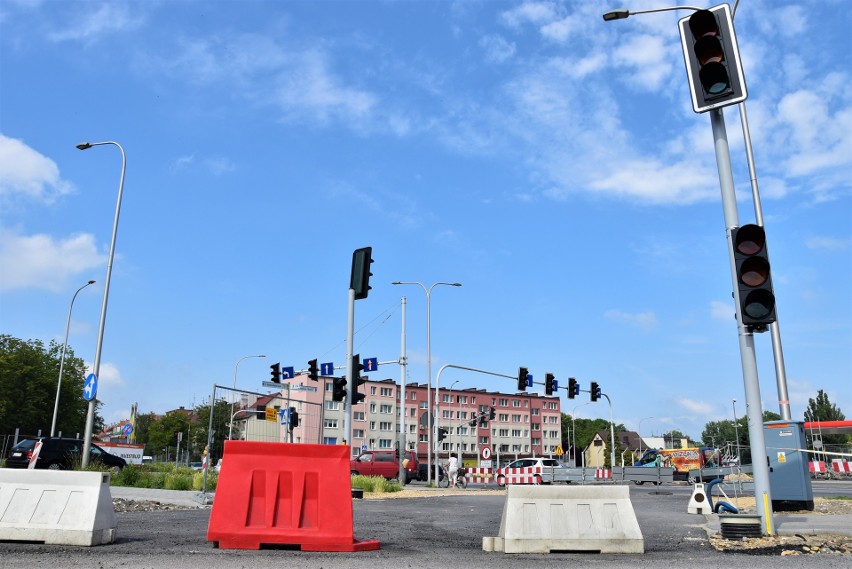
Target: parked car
(60, 454)
(423, 476)
(196, 465)
(527, 465)
(384, 463)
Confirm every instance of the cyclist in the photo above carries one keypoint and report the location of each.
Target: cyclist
(453, 470)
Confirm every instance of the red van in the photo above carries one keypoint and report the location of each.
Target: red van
(384, 463)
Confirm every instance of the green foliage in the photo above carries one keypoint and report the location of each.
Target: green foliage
(377, 484)
(178, 481)
(29, 374)
(822, 409)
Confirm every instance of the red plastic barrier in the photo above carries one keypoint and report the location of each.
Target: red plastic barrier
(284, 494)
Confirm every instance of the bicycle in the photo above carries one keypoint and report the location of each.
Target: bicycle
(461, 480)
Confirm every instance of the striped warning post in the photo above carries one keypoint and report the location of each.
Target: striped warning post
(485, 473)
(816, 466)
(526, 475)
(603, 473)
(840, 466)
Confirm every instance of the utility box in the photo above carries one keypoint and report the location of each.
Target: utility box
(789, 477)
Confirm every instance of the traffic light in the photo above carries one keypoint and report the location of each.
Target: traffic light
(294, 418)
(756, 301)
(276, 372)
(338, 389)
(523, 376)
(442, 433)
(472, 422)
(549, 383)
(492, 414)
(595, 391)
(357, 366)
(360, 281)
(313, 371)
(573, 388)
(712, 59)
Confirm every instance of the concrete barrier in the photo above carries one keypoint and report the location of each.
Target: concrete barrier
(698, 502)
(545, 519)
(56, 507)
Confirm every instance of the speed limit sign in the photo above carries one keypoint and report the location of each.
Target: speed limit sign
(486, 453)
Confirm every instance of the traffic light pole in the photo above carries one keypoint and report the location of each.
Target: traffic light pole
(754, 410)
(350, 337)
(774, 330)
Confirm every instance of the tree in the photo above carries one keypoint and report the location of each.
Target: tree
(221, 415)
(163, 432)
(723, 435)
(821, 409)
(29, 373)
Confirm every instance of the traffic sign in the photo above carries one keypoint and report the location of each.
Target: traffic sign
(559, 450)
(271, 415)
(287, 372)
(327, 369)
(284, 415)
(128, 428)
(371, 364)
(486, 453)
(90, 387)
(363, 448)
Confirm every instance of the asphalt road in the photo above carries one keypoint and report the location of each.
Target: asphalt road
(435, 531)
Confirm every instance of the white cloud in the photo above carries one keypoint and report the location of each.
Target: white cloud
(497, 49)
(822, 243)
(702, 408)
(108, 374)
(530, 12)
(40, 261)
(644, 320)
(24, 171)
(91, 22)
(724, 311)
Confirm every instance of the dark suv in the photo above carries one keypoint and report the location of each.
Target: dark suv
(60, 454)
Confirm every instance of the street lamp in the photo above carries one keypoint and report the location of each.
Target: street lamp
(434, 426)
(453, 384)
(640, 433)
(90, 414)
(624, 13)
(736, 431)
(236, 367)
(574, 432)
(62, 359)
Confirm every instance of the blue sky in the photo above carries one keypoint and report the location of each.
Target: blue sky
(547, 160)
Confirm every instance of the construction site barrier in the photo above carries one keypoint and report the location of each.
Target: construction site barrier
(840, 466)
(816, 466)
(698, 502)
(546, 519)
(284, 494)
(56, 507)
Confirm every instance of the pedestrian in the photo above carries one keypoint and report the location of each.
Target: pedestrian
(453, 470)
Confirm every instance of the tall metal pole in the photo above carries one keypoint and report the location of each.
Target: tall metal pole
(62, 359)
(403, 438)
(350, 339)
(736, 432)
(611, 433)
(90, 414)
(431, 431)
(774, 327)
(754, 411)
(236, 366)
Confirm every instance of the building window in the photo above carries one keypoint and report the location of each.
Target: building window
(483, 440)
(330, 424)
(503, 417)
(372, 390)
(386, 409)
(357, 433)
(423, 404)
(357, 415)
(516, 402)
(386, 392)
(503, 432)
(372, 425)
(372, 407)
(504, 402)
(384, 443)
(332, 405)
(516, 418)
(535, 412)
(329, 440)
(385, 426)
(516, 432)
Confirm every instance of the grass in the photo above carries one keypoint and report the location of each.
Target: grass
(376, 484)
(163, 476)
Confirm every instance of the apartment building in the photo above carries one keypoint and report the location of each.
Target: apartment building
(524, 423)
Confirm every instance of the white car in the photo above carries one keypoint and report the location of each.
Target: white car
(529, 468)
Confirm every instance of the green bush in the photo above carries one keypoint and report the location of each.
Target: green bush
(178, 481)
(375, 484)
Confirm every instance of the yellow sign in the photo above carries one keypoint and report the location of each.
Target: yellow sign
(782, 457)
(271, 415)
(559, 450)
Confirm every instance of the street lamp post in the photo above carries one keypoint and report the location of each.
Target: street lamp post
(96, 367)
(453, 384)
(574, 432)
(62, 358)
(640, 433)
(433, 425)
(736, 431)
(236, 367)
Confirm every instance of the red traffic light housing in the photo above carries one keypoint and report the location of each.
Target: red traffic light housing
(595, 391)
(338, 389)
